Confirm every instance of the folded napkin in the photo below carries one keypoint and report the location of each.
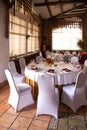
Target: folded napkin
(78, 66)
(51, 70)
(34, 68)
(67, 70)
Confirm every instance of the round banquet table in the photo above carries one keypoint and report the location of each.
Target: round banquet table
(64, 73)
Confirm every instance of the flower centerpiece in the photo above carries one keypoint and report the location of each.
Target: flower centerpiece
(82, 45)
(49, 61)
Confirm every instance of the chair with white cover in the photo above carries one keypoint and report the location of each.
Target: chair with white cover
(18, 78)
(56, 57)
(85, 69)
(20, 94)
(66, 58)
(85, 64)
(74, 95)
(74, 60)
(22, 63)
(39, 58)
(74, 53)
(48, 96)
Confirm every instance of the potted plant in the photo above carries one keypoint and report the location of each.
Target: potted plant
(82, 45)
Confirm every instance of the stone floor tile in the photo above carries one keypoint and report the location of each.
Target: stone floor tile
(53, 124)
(62, 115)
(74, 116)
(63, 124)
(72, 128)
(77, 122)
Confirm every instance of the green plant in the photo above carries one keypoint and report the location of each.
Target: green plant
(82, 44)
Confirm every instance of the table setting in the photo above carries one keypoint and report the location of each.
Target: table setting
(62, 71)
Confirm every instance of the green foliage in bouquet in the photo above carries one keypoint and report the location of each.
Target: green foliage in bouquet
(82, 45)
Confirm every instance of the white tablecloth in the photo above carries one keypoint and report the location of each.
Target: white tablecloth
(62, 77)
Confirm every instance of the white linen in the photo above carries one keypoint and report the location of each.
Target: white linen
(60, 72)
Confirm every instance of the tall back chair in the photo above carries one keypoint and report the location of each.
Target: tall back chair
(66, 58)
(18, 78)
(12, 67)
(74, 95)
(39, 58)
(74, 60)
(20, 94)
(56, 57)
(48, 97)
(85, 64)
(22, 63)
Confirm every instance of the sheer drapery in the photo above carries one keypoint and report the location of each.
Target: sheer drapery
(66, 38)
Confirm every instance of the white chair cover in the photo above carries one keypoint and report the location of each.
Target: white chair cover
(85, 64)
(39, 58)
(18, 78)
(22, 63)
(74, 60)
(74, 95)
(74, 53)
(56, 57)
(20, 94)
(32, 61)
(66, 58)
(48, 97)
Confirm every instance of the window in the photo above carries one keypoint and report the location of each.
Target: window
(66, 38)
(19, 29)
(33, 41)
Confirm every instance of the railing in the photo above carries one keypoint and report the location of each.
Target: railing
(28, 57)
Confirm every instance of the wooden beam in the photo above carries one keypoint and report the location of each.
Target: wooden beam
(56, 16)
(48, 8)
(71, 15)
(58, 2)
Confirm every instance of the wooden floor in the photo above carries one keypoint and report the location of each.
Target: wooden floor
(26, 119)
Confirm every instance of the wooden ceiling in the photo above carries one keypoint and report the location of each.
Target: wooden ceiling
(60, 9)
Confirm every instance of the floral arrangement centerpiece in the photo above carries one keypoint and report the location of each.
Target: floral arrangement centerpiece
(49, 61)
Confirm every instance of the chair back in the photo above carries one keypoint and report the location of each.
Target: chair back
(85, 64)
(66, 58)
(10, 81)
(12, 67)
(57, 57)
(74, 53)
(81, 79)
(80, 92)
(46, 84)
(48, 96)
(81, 87)
(39, 58)
(74, 60)
(22, 63)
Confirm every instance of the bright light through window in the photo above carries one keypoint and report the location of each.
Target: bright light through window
(66, 38)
